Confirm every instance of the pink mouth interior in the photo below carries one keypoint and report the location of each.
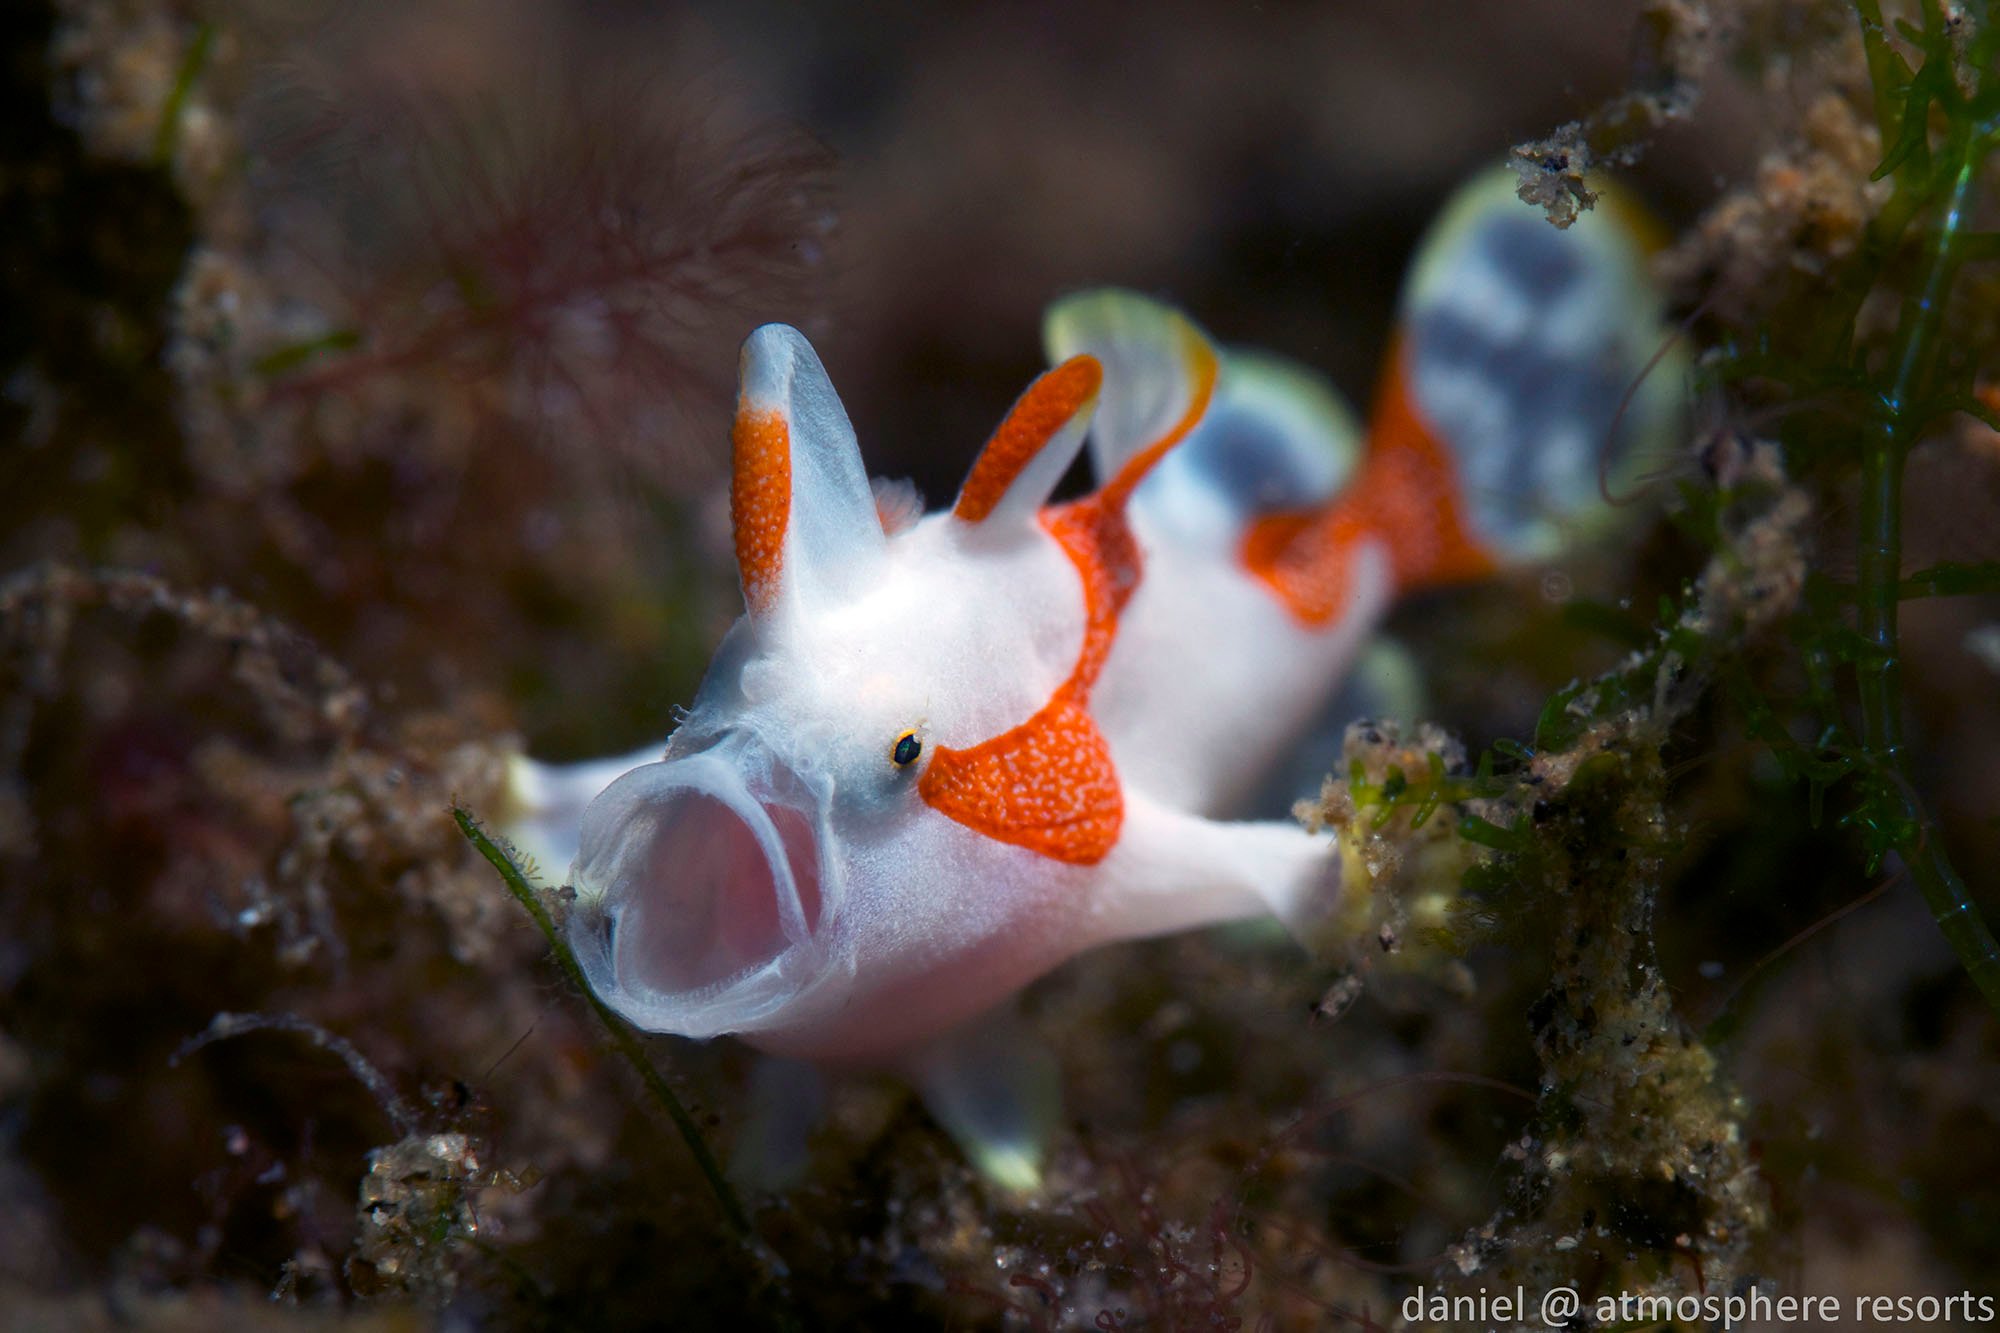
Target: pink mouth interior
(710, 908)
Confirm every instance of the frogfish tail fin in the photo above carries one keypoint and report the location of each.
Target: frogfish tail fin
(1526, 382)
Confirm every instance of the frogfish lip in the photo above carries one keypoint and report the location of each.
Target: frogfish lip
(703, 897)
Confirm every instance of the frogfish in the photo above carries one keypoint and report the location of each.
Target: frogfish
(941, 754)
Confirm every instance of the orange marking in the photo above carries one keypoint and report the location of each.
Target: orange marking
(1099, 543)
(1031, 423)
(1988, 395)
(1302, 555)
(1407, 496)
(1049, 784)
(760, 502)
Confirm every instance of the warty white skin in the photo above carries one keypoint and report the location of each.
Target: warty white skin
(1211, 678)
(963, 632)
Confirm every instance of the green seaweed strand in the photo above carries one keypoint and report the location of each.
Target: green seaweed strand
(166, 137)
(621, 1035)
(1903, 416)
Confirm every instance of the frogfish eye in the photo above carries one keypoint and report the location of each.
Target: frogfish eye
(908, 747)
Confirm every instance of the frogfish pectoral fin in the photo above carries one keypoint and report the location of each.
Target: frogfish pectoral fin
(786, 1103)
(994, 1088)
(545, 802)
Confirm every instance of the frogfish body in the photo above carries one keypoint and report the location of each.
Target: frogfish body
(940, 755)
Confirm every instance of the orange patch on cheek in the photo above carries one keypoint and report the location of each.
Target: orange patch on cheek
(760, 502)
(1047, 785)
(1043, 410)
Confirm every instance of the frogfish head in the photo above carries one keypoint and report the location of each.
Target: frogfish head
(780, 874)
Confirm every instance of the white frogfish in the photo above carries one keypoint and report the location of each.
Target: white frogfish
(940, 755)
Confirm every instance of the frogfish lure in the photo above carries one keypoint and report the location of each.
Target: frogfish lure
(940, 755)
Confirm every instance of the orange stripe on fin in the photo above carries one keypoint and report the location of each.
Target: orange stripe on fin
(1099, 543)
(1045, 408)
(1407, 496)
(760, 502)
